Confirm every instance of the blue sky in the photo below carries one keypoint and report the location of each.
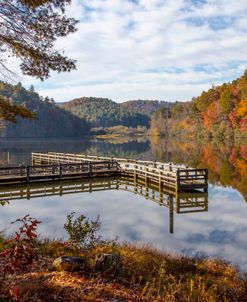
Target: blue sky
(150, 49)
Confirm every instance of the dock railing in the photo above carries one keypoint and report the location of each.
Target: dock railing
(57, 171)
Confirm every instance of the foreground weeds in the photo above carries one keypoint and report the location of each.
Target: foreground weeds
(145, 275)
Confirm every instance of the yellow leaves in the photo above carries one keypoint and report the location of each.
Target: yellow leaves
(155, 135)
(242, 109)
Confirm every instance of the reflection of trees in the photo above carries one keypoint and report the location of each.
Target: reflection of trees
(20, 150)
(129, 149)
(227, 165)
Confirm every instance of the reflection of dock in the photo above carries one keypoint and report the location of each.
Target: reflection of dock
(175, 202)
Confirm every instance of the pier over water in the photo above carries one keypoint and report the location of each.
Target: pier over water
(50, 166)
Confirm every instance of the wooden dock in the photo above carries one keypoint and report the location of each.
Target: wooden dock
(174, 177)
(50, 166)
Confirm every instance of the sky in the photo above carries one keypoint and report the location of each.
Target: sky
(150, 49)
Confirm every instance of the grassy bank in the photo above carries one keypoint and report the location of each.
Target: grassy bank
(146, 275)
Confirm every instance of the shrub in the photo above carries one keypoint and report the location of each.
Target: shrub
(19, 252)
(82, 232)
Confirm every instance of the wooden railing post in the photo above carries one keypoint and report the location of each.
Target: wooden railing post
(28, 192)
(60, 171)
(155, 164)
(90, 169)
(160, 184)
(28, 172)
(206, 181)
(146, 177)
(135, 172)
(22, 170)
(177, 180)
(171, 208)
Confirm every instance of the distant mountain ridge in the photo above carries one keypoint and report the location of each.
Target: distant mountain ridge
(103, 112)
(147, 107)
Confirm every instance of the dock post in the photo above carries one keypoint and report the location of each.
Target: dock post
(178, 198)
(206, 181)
(135, 173)
(171, 212)
(160, 198)
(160, 184)
(177, 181)
(28, 173)
(28, 192)
(53, 169)
(60, 172)
(90, 169)
(22, 170)
(146, 177)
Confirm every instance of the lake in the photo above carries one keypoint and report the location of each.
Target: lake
(219, 229)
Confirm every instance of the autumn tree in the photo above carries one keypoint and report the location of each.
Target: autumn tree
(242, 109)
(28, 30)
(226, 101)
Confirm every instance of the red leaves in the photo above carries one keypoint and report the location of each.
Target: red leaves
(233, 119)
(20, 250)
(243, 124)
(14, 292)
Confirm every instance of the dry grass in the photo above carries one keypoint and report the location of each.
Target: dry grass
(147, 275)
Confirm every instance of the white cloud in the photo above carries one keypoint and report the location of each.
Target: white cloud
(150, 49)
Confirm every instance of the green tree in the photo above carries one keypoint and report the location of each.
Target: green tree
(28, 30)
(10, 112)
(226, 101)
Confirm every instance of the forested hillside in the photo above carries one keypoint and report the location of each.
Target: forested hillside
(51, 120)
(147, 107)
(101, 112)
(220, 112)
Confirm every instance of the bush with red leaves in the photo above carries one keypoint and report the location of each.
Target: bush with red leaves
(20, 251)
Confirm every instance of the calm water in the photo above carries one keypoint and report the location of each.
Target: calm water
(219, 232)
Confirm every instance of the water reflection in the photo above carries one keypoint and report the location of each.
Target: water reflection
(181, 203)
(18, 151)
